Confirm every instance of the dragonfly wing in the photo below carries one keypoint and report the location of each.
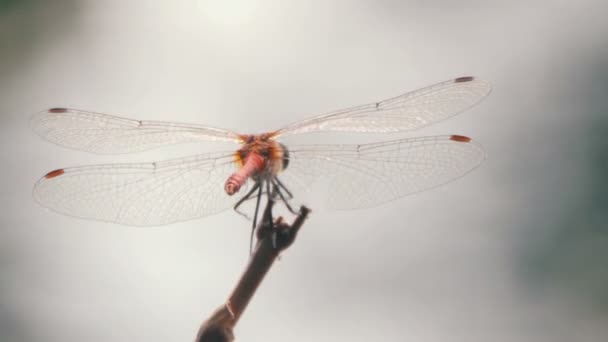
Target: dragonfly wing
(102, 133)
(360, 176)
(144, 194)
(407, 112)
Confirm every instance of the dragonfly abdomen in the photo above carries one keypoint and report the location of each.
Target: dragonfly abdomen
(254, 163)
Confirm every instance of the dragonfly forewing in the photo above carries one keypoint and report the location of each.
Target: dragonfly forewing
(108, 134)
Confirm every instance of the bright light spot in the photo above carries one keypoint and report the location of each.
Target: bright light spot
(228, 14)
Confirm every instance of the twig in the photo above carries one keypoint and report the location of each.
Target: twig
(273, 237)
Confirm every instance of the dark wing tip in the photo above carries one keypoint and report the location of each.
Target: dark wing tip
(464, 79)
(54, 173)
(460, 138)
(57, 110)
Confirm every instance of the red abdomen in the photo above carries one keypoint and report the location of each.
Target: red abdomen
(253, 163)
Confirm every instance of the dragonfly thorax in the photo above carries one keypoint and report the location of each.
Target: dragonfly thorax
(259, 158)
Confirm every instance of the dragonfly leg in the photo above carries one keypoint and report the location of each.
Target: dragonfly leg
(277, 188)
(271, 195)
(282, 186)
(255, 214)
(245, 198)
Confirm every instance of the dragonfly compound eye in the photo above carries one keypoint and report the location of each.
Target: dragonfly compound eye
(285, 156)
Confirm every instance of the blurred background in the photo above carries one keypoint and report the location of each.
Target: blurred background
(515, 251)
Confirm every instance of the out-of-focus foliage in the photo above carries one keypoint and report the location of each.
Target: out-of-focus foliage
(570, 254)
(8, 5)
(29, 25)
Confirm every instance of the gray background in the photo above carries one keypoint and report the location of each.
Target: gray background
(515, 251)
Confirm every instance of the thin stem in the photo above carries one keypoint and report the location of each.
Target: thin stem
(273, 237)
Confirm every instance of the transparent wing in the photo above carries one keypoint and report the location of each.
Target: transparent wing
(359, 176)
(143, 194)
(102, 133)
(402, 113)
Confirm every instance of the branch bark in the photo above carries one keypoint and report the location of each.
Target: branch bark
(272, 238)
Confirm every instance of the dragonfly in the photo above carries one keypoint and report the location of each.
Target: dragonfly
(164, 192)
